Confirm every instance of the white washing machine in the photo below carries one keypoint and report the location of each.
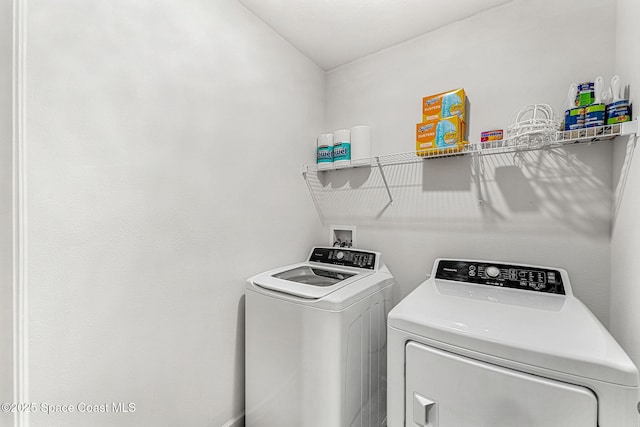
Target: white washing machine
(316, 341)
(486, 344)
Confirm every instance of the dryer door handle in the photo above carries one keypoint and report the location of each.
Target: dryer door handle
(425, 411)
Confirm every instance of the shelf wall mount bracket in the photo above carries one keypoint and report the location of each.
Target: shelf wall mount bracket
(316, 202)
(630, 128)
(384, 179)
(477, 167)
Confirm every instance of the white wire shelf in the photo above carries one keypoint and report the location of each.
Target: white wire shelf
(521, 143)
(517, 144)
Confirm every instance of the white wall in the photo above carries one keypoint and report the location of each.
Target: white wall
(625, 236)
(6, 293)
(164, 148)
(549, 208)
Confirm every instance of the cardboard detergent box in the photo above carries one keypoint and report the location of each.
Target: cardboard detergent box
(445, 104)
(440, 136)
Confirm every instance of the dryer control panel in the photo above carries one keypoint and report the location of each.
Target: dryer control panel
(502, 275)
(346, 257)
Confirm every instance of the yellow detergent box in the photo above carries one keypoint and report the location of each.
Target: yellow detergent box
(443, 105)
(440, 136)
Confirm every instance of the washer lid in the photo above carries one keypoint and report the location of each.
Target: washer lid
(553, 332)
(309, 280)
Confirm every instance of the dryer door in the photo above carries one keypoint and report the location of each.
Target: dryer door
(447, 390)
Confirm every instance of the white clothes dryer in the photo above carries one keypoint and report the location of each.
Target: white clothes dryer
(491, 344)
(315, 341)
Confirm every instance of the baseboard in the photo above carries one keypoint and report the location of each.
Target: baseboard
(237, 421)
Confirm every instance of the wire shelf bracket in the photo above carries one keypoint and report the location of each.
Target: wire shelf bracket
(384, 179)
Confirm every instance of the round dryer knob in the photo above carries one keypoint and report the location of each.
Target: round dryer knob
(492, 271)
(340, 255)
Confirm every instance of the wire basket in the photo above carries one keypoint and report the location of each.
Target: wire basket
(535, 126)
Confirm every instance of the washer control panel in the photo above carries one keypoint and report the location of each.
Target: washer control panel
(342, 256)
(502, 275)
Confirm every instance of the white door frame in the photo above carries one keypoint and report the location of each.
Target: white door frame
(20, 324)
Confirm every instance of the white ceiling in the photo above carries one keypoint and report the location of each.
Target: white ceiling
(334, 32)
